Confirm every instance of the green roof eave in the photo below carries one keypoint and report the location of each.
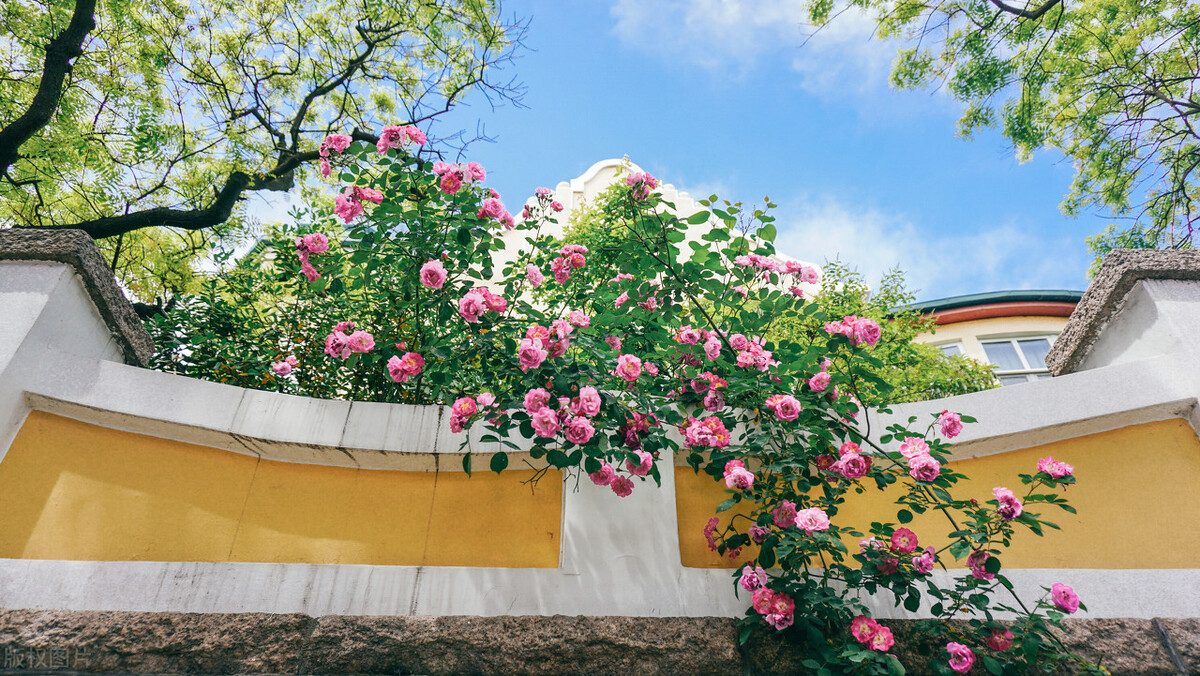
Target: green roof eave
(995, 297)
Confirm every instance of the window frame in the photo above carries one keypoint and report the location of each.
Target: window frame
(1031, 374)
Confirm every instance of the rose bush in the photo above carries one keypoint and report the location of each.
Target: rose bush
(609, 371)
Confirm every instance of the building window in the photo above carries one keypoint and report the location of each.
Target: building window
(951, 349)
(1019, 360)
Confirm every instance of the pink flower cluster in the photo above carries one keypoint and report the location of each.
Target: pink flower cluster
(285, 367)
(869, 632)
(461, 412)
(312, 243)
(950, 424)
(777, 608)
(571, 256)
(541, 343)
(707, 433)
(821, 379)
(335, 142)
(784, 406)
(493, 208)
(643, 184)
(348, 205)
(977, 562)
(921, 465)
(571, 418)
(851, 464)
(753, 577)
(339, 344)
(403, 368)
(454, 175)
(961, 657)
(1056, 470)
(860, 330)
(396, 136)
(1010, 506)
(737, 476)
(478, 301)
(751, 353)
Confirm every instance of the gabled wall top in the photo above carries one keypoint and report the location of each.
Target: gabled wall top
(76, 248)
(1107, 296)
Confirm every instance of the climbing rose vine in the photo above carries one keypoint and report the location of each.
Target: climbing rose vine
(419, 285)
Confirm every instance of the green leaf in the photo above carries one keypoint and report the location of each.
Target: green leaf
(767, 232)
(467, 464)
(499, 462)
(904, 516)
(726, 505)
(698, 218)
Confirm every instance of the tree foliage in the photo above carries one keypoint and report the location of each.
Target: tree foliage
(123, 115)
(1110, 83)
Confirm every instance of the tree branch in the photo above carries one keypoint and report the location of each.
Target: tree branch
(67, 45)
(1026, 13)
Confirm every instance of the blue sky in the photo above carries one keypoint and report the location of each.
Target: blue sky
(725, 96)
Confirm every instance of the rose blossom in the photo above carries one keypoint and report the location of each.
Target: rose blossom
(785, 513)
(281, 368)
(819, 382)
(787, 408)
(622, 486)
(738, 477)
(812, 519)
(360, 341)
(603, 476)
(852, 466)
(433, 274)
(589, 401)
(759, 533)
(579, 430)
(882, 640)
(472, 306)
(403, 368)
(536, 399)
(978, 563)
(950, 423)
(753, 577)
(629, 367)
(645, 462)
(924, 563)
(1000, 640)
(531, 354)
(911, 447)
(1064, 597)
(1010, 506)
(924, 468)
(534, 274)
(863, 628)
(464, 407)
(545, 422)
(336, 345)
(961, 657)
(904, 541)
(1055, 469)
(579, 318)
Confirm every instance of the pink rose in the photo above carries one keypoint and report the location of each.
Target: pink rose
(486, 399)
(403, 368)
(1064, 597)
(472, 306)
(1055, 469)
(534, 274)
(433, 274)
(316, 243)
(882, 640)
(464, 407)
(335, 142)
(1000, 640)
(950, 423)
(787, 408)
(819, 382)
(360, 341)
(866, 331)
(759, 533)
(543, 192)
(961, 657)
(738, 342)
(924, 468)
(337, 345)
(613, 342)
(281, 368)
(604, 476)
(812, 519)
(785, 514)
(738, 477)
(709, 432)
(621, 299)
(346, 208)
(1010, 506)
(629, 367)
(911, 447)
(531, 354)
(645, 463)
(579, 318)
(904, 541)
(753, 577)
(977, 561)
(852, 466)
(622, 486)
(536, 399)
(556, 206)
(589, 401)
(579, 430)
(545, 422)
(863, 628)
(309, 271)
(923, 564)
(390, 137)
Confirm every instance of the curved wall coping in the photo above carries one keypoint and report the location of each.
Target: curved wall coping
(76, 248)
(1106, 295)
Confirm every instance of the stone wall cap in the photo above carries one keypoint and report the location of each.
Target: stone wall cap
(77, 249)
(1121, 270)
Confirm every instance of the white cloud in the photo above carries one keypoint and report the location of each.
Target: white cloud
(734, 35)
(986, 257)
